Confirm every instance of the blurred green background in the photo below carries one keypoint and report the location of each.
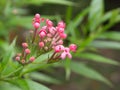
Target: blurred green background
(93, 25)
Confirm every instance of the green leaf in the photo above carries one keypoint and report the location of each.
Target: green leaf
(77, 21)
(39, 2)
(97, 58)
(35, 86)
(95, 13)
(7, 58)
(44, 78)
(8, 86)
(86, 71)
(109, 14)
(105, 44)
(21, 83)
(113, 35)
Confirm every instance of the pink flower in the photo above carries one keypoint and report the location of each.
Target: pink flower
(60, 42)
(41, 44)
(32, 59)
(63, 55)
(59, 48)
(66, 53)
(73, 47)
(24, 45)
(27, 51)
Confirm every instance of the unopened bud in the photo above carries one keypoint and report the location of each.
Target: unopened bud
(32, 59)
(25, 45)
(27, 51)
(41, 44)
(17, 58)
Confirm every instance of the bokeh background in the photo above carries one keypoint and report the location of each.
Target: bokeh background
(15, 20)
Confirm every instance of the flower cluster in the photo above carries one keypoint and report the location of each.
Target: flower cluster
(47, 38)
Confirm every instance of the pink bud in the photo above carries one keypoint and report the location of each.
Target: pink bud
(63, 35)
(61, 24)
(52, 30)
(73, 47)
(67, 50)
(36, 25)
(49, 35)
(17, 58)
(37, 15)
(60, 42)
(32, 59)
(27, 51)
(42, 33)
(25, 45)
(63, 55)
(60, 30)
(49, 23)
(19, 54)
(41, 44)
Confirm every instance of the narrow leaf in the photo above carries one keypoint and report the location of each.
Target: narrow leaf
(98, 58)
(105, 44)
(44, 78)
(86, 71)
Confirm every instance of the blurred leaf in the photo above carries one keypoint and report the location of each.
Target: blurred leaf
(9, 53)
(67, 68)
(79, 18)
(77, 21)
(35, 86)
(113, 35)
(21, 83)
(109, 14)
(44, 78)
(8, 86)
(97, 58)
(113, 17)
(95, 13)
(86, 71)
(105, 44)
(27, 84)
(39, 2)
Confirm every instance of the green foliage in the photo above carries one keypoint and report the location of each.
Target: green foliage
(84, 70)
(87, 30)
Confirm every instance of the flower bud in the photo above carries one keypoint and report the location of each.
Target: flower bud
(17, 58)
(27, 51)
(32, 59)
(41, 44)
(37, 15)
(63, 35)
(24, 45)
(73, 47)
(36, 25)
